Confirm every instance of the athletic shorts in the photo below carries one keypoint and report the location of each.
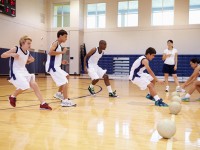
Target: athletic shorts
(22, 80)
(95, 72)
(59, 76)
(143, 81)
(168, 69)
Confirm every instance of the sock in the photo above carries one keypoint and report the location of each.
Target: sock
(178, 87)
(12, 96)
(182, 90)
(167, 87)
(43, 103)
(156, 97)
(59, 93)
(187, 95)
(109, 89)
(91, 86)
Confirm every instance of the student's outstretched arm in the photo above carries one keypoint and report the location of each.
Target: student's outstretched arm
(30, 59)
(10, 53)
(91, 52)
(192, 78)
(145, 62)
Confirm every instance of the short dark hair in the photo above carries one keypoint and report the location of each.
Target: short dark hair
(150, 51)
(61, 33)
(170, 41)
(195, 60)
(102, 42)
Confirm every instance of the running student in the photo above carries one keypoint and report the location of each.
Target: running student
(19, 75)
(59, 76)
(94, 71)
(195, 64)
(170, 58)
(145, 80)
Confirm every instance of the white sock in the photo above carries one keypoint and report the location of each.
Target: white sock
(187, 95)
(109, 89)
(12, 96)
(91, 86)
(167, 87)
(182, 90)
(43, 103)
(59, 93)
(156, 97)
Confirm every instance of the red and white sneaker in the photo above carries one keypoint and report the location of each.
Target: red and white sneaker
(12, 101)
(45, 106)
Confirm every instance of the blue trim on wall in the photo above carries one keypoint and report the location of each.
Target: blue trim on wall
(184, 69)
(38, 66)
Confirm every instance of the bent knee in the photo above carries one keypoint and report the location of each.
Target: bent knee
(105, 76)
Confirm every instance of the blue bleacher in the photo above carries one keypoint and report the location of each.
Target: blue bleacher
(184, 69)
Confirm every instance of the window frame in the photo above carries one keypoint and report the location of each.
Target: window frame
(124, 19)
(55, 24)
(96, 16)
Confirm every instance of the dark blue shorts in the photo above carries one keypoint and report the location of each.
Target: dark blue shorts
(169, 69)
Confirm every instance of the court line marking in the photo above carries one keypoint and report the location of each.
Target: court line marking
(56, 101)
(55, 87)
(170, 141)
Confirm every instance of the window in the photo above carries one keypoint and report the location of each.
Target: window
(128, 13)
(194, 13)
(162, 12)
(96, 15)
(61, 16)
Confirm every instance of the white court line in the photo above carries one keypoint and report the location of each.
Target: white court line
(170, 141)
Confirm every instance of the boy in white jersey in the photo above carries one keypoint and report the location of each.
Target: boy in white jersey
(144, 80)
(195, 64)
(170, 58)
(54, 60)
(94, 71)
(19, 75)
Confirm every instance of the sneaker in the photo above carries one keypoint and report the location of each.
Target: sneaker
(150, 97)
(184, 99)
(113, 94)
(67, 103)
(91, 90)
(167, 89)
(58, 96)
(12, 101)
(45, 106)
(160, 103)
(178, 89)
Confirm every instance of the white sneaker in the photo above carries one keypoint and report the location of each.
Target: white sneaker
(179, 89)
(67, 103)
(59, 96)
(167, 89)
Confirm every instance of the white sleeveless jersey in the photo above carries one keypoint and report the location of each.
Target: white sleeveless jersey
(94, 58)
(19, 65)
(54, 61)
(137, 68)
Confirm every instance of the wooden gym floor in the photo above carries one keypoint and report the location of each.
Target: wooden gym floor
(97, 123)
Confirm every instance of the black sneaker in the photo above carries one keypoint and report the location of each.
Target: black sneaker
(160, 103)
(91, 90)
(113, 94)
(150, 97)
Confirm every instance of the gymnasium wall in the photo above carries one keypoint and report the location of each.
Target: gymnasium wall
(30, 20)
(134, 40)
(75, 38)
